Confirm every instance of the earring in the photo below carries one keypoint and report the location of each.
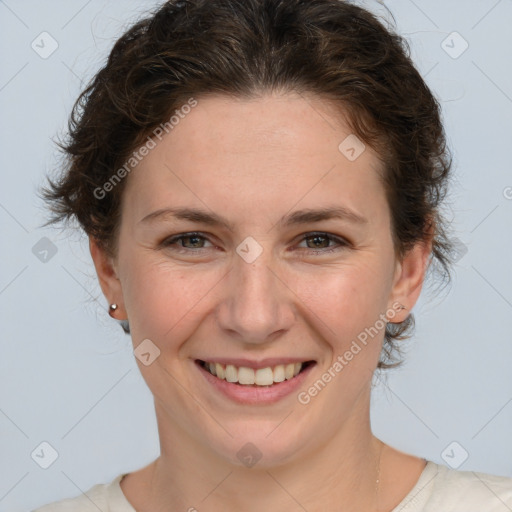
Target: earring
(123, 323)
(402, 307)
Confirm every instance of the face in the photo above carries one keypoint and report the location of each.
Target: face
(251, 281)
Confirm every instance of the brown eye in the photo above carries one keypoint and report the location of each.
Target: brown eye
(195, 240)
(319, 243)
(186, 242)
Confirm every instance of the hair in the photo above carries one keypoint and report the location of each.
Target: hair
(243, 49)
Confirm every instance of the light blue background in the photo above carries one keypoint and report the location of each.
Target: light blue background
(68, 375)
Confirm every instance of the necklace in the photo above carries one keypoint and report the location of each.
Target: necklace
(378, 478)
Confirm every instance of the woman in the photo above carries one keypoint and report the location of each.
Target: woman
(260, 181)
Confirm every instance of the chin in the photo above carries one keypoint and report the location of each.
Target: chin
(259, 446)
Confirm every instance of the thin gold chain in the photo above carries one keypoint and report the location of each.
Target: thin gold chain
(377, 482)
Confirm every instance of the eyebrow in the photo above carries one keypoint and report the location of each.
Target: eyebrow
(305, 216)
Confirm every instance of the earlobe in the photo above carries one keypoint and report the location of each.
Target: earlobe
(107, 276)
(409, 277)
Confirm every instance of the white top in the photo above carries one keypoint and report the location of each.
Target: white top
(439, 489)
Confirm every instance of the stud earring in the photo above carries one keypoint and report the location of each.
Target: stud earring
(388, 321)
(123, 323)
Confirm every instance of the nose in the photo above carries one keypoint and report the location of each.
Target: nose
(257, 302)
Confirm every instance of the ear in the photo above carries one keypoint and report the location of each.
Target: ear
(107, 277)
(409, 277)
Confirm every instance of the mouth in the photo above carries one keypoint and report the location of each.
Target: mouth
(270, 376)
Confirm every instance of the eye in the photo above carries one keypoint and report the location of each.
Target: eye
(195, 242)
(187, 242)
(320, 242)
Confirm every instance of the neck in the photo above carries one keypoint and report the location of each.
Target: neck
(339, 473)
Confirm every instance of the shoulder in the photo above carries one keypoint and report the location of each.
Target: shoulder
(474, 488)
(443, 488)
(105, 497)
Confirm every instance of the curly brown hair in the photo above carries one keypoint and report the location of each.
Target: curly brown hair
(244, 48)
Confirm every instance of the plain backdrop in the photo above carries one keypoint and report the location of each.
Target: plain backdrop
(68, 374)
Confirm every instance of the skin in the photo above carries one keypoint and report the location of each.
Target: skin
(252, 162)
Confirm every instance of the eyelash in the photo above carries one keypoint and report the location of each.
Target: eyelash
(341, 243)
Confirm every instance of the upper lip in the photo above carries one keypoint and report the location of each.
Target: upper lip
(250, 363)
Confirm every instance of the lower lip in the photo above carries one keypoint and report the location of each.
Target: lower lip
(253, 395)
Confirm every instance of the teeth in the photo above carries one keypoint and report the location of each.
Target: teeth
(248, 376)
(219, 370)
(279, 373)
(264, 377)
(245, 375)
(231, 373)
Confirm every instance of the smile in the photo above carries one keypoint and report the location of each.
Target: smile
(246, 376)
(254, 382)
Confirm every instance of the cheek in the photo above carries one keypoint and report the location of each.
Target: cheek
(163, 301)
(344, 300)
(346, 306)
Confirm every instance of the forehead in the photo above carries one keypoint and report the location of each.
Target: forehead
(268, 152)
